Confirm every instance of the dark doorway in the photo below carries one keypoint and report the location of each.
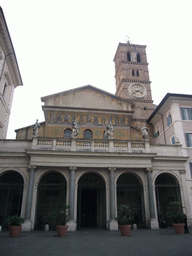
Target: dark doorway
(130, 192)
(167, 190)
(89, 208)
(11, 194)
(51, 195)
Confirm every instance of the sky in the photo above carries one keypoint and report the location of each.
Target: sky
(63, 44)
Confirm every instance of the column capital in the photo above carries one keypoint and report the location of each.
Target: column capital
(182, 171)
(72, 168)
(112, 168)
(32, 167)
(149, 169)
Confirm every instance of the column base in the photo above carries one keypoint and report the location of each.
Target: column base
(154, 224)
(27, 225)
(113, 225)
(72, 225)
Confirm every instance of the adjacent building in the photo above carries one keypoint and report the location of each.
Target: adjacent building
(10, 76)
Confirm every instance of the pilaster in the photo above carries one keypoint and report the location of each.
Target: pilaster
(153, 218)
(113, 225)
(27, 224)
(71, 223)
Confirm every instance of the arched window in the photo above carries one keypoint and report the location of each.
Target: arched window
(133, 72)
(67, 133)
(137, 72)
(138, 57)
(87, 134)
(128, 56)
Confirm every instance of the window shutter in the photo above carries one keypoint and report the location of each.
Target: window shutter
(190, 113)
(190, 165)
(187, 139)
(183, 113)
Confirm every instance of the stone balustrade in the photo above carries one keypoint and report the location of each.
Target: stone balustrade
(86, 145)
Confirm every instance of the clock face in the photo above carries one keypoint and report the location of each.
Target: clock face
(138, 90)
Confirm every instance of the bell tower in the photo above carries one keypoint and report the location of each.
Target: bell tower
(132, 78)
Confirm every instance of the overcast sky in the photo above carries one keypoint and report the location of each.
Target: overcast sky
(64, 44)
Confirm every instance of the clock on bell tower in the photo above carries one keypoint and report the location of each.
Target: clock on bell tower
(132, 78)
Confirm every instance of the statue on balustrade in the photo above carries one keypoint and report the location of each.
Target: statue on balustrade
(36, 128)
(109, 131)
(145, 132)
(75, 129)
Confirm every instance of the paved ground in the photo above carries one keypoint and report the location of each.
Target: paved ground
(146, 242)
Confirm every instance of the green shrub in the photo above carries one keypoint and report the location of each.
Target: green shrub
(124, 215)
(14, 220)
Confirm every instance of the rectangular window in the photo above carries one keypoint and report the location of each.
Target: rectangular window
(169, 120)
(157, 134)
(173, 140)
(186, 113)
(190, 165)
(188, 139)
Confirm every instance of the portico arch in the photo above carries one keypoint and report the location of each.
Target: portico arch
(130, 192)
(91, 206)
(11, 194)
(51, 194)
(167, 190)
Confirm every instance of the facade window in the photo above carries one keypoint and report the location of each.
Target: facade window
(188, 139)
(138, 57)
(186, 113)
(128, 56)
(157, 134)
(169, 120)
(133, 72)
(67, 133)
(137, 72)
(87, 134)
(190, 165)
(173, 140)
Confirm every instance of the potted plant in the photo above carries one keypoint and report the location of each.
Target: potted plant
(60, 216)
(174, 213)
(124, 218)
(14, 223)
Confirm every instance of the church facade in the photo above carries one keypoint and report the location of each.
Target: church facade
(94, 152)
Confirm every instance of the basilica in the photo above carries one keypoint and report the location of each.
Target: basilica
(96, 150)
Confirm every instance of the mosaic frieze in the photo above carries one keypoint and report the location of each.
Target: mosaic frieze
(68, 118)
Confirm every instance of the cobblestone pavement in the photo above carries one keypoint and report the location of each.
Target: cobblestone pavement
(146, 242)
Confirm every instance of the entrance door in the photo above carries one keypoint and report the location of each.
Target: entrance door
(88, 208)
(91, 206)
(167, 190)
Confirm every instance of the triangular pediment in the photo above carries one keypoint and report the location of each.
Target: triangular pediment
(87, 97)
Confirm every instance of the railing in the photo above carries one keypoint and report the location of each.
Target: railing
(90, 145)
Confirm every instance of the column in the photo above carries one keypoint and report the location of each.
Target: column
(113, 225)
(71, 223)
(153, 219)
(27, 224)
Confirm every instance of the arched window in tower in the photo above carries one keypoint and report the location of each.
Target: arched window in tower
(128, 56)
(137, 72)
(133, 72)
(138, 57)
(67, 133)
(88, 134)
